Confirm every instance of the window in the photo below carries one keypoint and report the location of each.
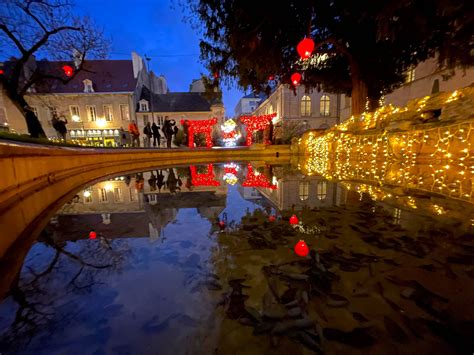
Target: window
(410, 76)
(133, 194)
(435, 88)
(87, 196)
(305, 106)
(108, 113)
(145, 120)
(143, 105)
(160, 120)
(88, 87)
(124, 112)
(324, 104)
(75, 115)
(91, 113)
(270, 109)
(117, 194)
(397, 214)
(103, 195)
(321, 190)
(304, 190)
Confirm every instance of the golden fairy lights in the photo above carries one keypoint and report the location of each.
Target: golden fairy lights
(435, 157)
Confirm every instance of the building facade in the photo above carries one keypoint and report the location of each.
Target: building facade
(248, 104)
(96, 103)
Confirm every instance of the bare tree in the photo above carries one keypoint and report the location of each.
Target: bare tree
(48, 28)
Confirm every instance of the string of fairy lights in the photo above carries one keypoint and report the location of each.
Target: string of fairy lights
(390, 147)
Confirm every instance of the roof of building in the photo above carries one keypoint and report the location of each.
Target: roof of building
(255, 96)
(106, 76)
(177, 101)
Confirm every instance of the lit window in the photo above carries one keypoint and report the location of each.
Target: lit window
(270, 109)
(91, 113)
(321, 190)
(75, 114)
(410, 75)
(103, 195)
(108, 113)
(117, 194)
(143, 105)
(397, 214)
(87, 196)
(88, 87)
(304, 190)
(324, 104)
(124, 112)
(306, 106)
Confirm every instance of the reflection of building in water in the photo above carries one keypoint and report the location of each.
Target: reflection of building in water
(304, 191)
(249, 193)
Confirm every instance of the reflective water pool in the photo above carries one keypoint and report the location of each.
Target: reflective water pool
(201, 260)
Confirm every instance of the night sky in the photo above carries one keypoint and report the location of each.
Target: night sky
(155, 28)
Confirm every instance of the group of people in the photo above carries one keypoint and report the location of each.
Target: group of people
(151, 132)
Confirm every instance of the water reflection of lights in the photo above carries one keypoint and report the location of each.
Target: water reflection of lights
(87, 194)
(230, 178)
(108, 186)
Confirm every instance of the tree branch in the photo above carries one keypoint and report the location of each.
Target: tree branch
(15, 40)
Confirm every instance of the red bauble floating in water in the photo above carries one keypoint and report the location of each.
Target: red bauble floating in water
(68, 70)
(293, 220)
(305, 48)
(301, 248)
(295, 78)
(271, 218)
(92, 235)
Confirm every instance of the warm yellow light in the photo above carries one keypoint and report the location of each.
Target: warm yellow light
(108, 186)
(75, 118)
(87, 194)
(100, 122)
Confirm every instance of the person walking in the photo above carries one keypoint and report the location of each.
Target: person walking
(148, 134)
(168, 131)
(135, 134)
(156, 134)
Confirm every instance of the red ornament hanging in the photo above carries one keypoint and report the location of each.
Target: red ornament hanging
(216, 75)
(68, 70)
(271, 77)
(305, 48)
(301, 248)
(92, 235)
(293, 220)
(295, 78)
(272, 218)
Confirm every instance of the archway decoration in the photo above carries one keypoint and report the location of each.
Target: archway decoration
(199, 126)
(257, 179)
(256, 123)
(203, 179)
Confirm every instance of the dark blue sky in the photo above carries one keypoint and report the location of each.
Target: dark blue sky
(155, 28)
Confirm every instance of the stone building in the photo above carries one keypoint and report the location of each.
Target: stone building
(96, 103)
(248, 104)
(299, 112)
(425, 79)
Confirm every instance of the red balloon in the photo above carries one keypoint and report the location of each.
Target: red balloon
(295, 78)
(92, 235)
(271, 218)
(301, 248)
(305, 48)
(293, 220)
(68, 70)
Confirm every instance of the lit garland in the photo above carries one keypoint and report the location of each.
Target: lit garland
(256, 179)
(229, 133)
(256, 123)
(199, 126)
(203, 179)
(429, 157)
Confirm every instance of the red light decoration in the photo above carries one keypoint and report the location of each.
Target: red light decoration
(222, 224)
(256, 123)
(68, 70)
(271, 77)
(294, 220)
(301, 248)
(216, 75)
(2, 72)
(203, 179)
(271, 218)
(257, 179)
(305, 48)
(295, 78)
(199, 126)
(92, 235)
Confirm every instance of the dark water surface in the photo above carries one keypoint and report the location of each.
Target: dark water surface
(200, 260)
